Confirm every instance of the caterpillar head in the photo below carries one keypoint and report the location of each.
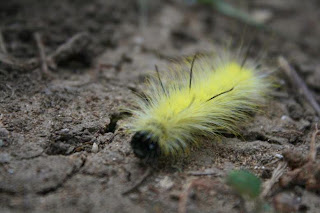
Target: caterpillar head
(145, 145)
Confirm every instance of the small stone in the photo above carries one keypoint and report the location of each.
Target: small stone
(5, 158)
(134, 196)
(64, 131)
(166, 183)
(94, 148)
(3, 133)
(262, 15)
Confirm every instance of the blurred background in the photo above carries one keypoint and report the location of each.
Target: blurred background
(68, 66)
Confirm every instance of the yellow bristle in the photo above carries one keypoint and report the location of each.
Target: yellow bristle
(221, 94)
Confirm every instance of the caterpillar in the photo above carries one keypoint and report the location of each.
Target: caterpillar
(204, 97)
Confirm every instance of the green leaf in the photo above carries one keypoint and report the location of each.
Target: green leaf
(244, 183)
(228, 10)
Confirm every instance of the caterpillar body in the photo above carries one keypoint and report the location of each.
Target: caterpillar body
(202, 98)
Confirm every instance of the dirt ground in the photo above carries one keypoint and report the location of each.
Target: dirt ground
(49, 120)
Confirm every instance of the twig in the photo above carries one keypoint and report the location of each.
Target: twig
(204, 173)
(313, 149)
(9, 64)
(40, 45)
(138, 183)
(228, 10)
(272, 162)
(305, 174)
(277, 173)
(11, 89)
(242, 204)
(182, 208)
(3, 48)
(75, 44)
(298, 83)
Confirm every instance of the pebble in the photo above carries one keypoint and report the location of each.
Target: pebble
(94, 148)
(3, 132)
(5, 158)
(166, 183)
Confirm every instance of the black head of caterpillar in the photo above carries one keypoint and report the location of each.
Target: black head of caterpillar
(145, 146)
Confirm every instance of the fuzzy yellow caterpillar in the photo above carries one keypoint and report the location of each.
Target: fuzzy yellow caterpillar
(181, 106)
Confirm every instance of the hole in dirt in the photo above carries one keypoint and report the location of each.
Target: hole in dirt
(261, 137)
(114, 118)
(181, 37)
(77, 61)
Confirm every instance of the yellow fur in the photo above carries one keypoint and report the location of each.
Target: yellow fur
(181, 115)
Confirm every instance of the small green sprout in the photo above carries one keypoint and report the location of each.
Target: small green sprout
(244, 183)
(248, 187)
(228, 10)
